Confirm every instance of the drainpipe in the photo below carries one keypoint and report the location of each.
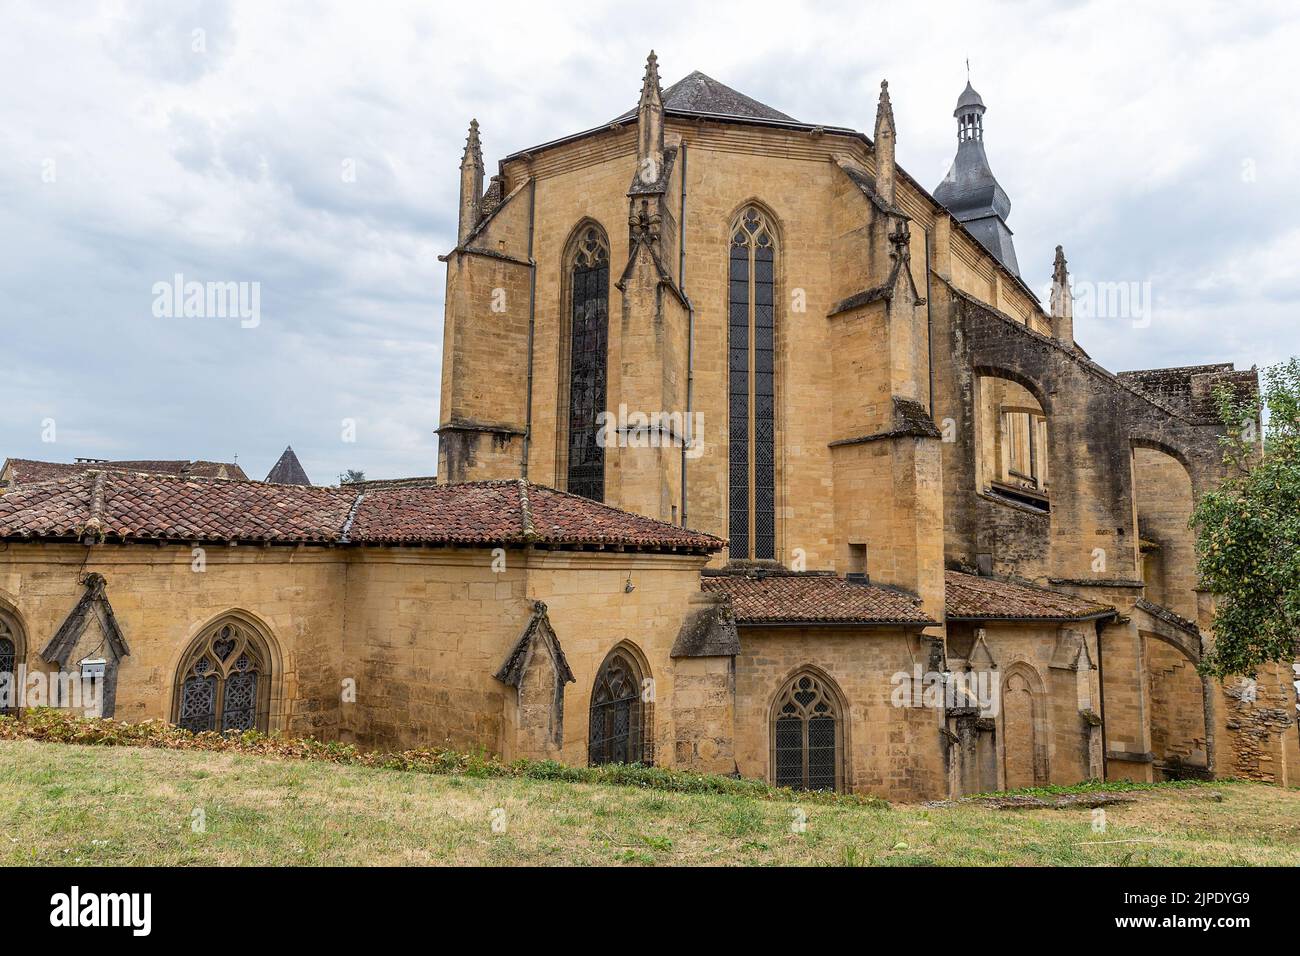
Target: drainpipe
(1101, 696)
(929, 324)
(532, 317)
(690, 331)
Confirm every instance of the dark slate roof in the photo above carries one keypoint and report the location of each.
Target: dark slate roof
(813, 597)
(123, 506)
(697, 93)
(968, 99)
(23, 471)
(288, 470)
(972, 598)
(972, 193)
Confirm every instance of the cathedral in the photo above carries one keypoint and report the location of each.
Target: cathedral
(755, 457)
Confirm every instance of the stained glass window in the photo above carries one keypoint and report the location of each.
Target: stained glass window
(222, 684)
(751, 351)
(588, 352)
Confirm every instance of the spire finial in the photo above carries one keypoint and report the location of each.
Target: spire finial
(885, 137)
(967, 69)
(884, 108)
(1061, 302)
(651, 81)
(473, 148)
(471, 183)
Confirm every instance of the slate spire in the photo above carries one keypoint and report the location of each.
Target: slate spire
(288, 471)
(970, 191)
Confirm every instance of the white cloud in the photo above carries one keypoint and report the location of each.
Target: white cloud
(1121, 131)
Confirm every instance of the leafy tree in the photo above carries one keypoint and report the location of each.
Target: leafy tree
(1248, 540)
(351, 477)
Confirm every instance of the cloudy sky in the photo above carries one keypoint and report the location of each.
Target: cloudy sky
(312, 148)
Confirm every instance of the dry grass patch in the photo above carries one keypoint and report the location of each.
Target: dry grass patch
(76, 804)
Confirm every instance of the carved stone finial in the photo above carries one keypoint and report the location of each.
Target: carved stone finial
(471, 184)
(1059, 272)
(886, 137)
(1061, 301)
(473, 148)
(651, 81)
(884, 108)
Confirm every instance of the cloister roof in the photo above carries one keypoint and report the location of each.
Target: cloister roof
(125, 506)
(970, 597)
(816, 597)
(27, 470)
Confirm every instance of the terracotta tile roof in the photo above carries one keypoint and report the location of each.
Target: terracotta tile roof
(23, 471)
(973, 598)
(817, 597)
(510, 512)
(125, 506)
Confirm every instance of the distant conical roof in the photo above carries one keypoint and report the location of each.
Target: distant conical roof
(697, 93)
(288, 471)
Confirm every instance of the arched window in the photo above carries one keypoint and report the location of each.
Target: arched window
(621, 723)
(806, 750)
(588, 351)
(11, 651)
(752, 387)
(224, 682)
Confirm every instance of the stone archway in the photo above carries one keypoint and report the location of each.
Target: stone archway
(1024, 729)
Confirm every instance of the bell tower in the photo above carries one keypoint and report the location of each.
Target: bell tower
(970, 191)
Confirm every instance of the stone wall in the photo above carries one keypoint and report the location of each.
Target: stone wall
(394, 648)
(892, 752)
(1258, 737)
(294, 595)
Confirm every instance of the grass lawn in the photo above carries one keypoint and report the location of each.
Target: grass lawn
(99, 805)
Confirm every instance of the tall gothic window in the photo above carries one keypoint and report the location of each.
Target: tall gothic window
(752, 387)
(806, 749)
(588, 351)
(621, 720)
(10, 655)
(224, 683)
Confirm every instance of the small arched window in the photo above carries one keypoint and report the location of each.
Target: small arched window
(752, 387)
(588, 357)
(621, 718)
(806, 734)
(11, 649)
(224, 682)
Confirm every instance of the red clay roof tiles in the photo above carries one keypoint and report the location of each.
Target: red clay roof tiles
(129, 506)
(782, 597)
(970, 597)
(23, 471)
